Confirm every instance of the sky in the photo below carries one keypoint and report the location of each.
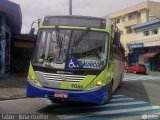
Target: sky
(35, 9)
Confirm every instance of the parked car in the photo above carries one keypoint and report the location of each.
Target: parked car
(136, 68)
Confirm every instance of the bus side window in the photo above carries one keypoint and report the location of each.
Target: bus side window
(111, 50)
(116, 53)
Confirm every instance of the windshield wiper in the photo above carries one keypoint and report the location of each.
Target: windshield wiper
(76, 42)
(59, 40)
(60, 46)
(81, 37)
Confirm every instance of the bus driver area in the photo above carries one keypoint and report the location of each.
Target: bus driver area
(89, 59)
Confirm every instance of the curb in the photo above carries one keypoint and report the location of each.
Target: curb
(13, 98)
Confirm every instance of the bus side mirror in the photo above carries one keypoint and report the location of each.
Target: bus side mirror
(31, 34)
(116, 40)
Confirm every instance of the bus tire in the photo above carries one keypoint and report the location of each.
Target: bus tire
(120, 81)
(109, 94)
(55, 101)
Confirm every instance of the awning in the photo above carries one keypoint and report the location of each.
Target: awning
(150, 54)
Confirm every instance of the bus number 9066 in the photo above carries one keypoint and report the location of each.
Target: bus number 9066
(77, 86)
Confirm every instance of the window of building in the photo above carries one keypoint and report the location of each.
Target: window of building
(146, 33)
(133, 16)
(146, 60)
(155, 31)
(123, 19)
(118, 20)
(129, 17)
(128, 31)
(121, 32)
(113, 20)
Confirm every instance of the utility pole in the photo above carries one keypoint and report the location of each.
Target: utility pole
(70, 7)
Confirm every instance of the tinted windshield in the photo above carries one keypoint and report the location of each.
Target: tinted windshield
(71, 49)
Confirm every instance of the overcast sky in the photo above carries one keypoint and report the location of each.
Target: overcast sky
(34, 9)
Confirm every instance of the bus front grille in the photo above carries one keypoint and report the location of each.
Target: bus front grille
(63, 77)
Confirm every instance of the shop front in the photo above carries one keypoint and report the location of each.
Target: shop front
(152, 60)
(134, 52)
(149, 56)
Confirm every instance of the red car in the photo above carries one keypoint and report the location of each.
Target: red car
(136, 68)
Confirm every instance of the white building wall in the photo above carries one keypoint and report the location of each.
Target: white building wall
(143, 11)
(150, 40)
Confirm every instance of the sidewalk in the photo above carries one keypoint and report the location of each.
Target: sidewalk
(154, 73)
(14, 87)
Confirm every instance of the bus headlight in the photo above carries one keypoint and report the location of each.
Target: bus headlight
(99, 83)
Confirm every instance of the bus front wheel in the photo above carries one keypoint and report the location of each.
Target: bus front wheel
(120, 81)
(109, 94)
(55, 101)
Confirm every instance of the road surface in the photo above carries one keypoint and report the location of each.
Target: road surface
(138, 97)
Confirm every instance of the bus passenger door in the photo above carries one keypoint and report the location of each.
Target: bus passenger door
(117, 68)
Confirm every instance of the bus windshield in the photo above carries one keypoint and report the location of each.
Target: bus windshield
(71, 49)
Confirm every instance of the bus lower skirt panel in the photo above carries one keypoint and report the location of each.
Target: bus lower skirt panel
(96, 96)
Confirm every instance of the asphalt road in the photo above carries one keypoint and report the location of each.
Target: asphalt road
(141, 87)
(139, 95)
(26, 106)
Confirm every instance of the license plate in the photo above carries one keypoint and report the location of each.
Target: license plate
(61, 95)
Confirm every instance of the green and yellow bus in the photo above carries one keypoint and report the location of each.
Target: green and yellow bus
(76, 59)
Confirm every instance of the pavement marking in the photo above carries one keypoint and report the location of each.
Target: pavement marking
(120, 107)
(121, 99)
(113, 105)
(124, 111)
(118, 96)
(131, 77)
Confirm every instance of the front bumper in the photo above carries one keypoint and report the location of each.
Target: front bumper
(97, 96)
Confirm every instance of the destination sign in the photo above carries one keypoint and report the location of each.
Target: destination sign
(81, 21)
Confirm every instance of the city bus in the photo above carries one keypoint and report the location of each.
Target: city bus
(76, 59)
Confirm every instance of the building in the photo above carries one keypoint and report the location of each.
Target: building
(146, 47)
(10, 24)
(22, 48)
(136, 14)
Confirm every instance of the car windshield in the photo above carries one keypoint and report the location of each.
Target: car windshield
(71, 49)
